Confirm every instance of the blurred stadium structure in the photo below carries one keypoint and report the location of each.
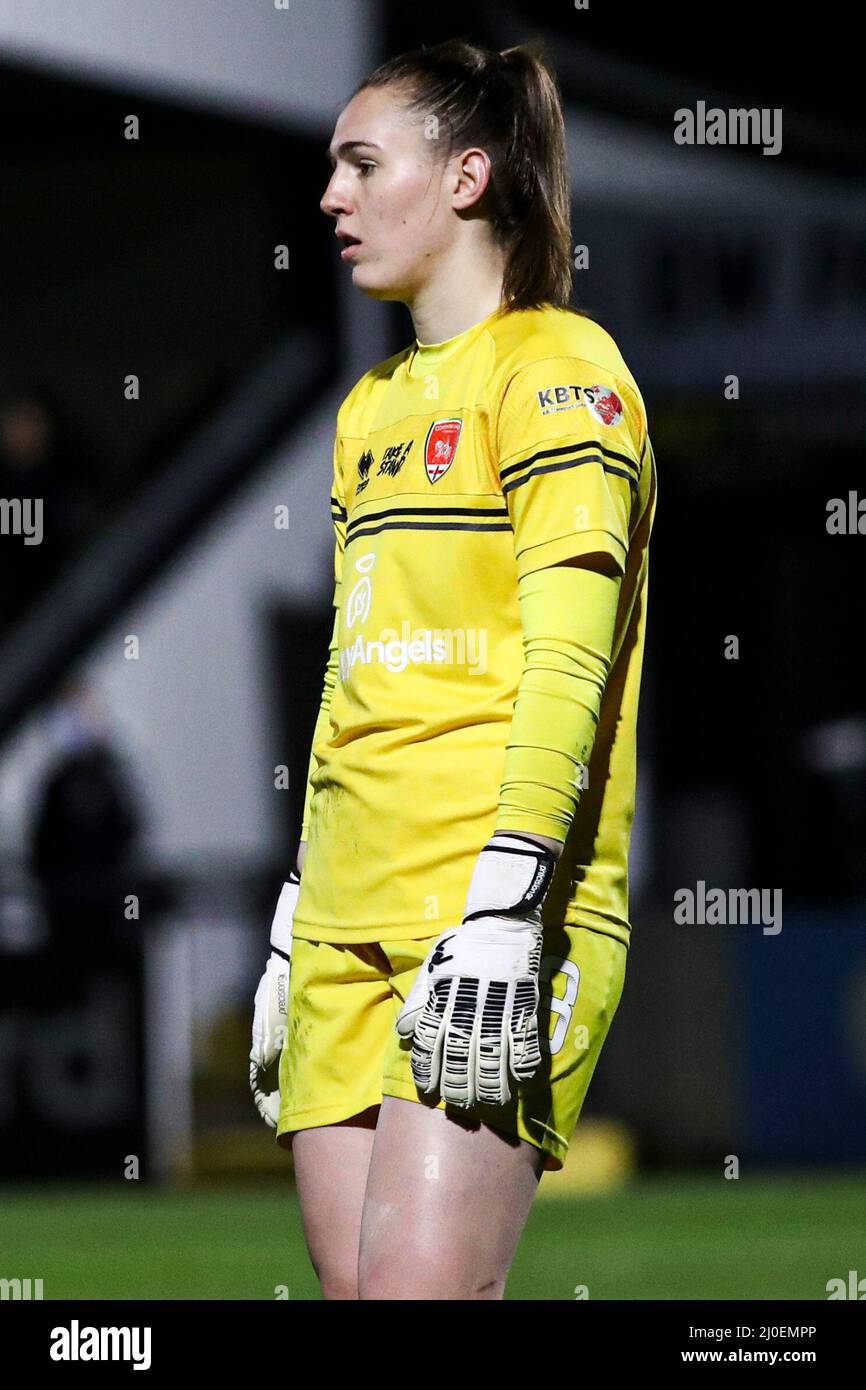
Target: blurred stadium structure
(161, 653)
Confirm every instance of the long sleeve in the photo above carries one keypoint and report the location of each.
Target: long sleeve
(568, 614)
(322, 729)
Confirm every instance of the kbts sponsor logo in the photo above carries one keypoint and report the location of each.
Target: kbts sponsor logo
(602, 403)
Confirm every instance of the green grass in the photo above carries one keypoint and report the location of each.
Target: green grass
(767, 1237)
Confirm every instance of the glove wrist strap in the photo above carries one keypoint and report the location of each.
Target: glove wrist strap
(511, 878)
(281, 927)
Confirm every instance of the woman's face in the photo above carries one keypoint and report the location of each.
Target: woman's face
(389, 191)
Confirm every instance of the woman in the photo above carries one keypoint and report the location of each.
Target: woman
(458, 938)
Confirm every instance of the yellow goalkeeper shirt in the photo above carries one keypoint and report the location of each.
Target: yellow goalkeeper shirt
(460, 470)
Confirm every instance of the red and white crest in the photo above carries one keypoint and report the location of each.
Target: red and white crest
(607, 406)
(443, 437)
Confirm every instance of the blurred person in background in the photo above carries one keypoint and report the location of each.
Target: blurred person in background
(87, 824)
(473, 764)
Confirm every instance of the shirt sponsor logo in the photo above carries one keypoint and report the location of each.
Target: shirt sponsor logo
(411, 646)
(392, 461)
(394, 457)
(360, 596)
(443, 437)
(417, 646)
(601, 402)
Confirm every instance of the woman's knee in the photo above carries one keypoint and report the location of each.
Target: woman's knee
(424, 1272)
(338, 1283)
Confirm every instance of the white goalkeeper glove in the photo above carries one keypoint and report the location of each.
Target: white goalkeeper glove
(473, 1010)
(271, 1011)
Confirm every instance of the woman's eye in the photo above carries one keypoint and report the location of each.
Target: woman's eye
(366, 166)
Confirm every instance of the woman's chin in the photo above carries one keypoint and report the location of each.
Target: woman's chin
(373, 278)
(371, 286)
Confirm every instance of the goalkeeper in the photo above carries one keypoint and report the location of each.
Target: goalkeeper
(446, 961)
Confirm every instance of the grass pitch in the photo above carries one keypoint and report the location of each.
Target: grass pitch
(762, 1237)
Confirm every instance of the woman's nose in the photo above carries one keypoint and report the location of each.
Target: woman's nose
(333, 200)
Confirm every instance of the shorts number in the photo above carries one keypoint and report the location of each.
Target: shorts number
(562, 1007)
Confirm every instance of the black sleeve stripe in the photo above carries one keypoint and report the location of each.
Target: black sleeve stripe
(568, 451)
(567, 463)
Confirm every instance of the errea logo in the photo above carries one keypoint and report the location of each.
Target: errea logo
(601, 401)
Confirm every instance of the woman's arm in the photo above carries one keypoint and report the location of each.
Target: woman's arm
(320, 733)
(555, 846)
(568, 613)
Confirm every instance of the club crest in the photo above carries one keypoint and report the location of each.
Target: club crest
(443, 437)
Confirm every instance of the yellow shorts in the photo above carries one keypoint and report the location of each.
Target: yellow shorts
(343, 1054)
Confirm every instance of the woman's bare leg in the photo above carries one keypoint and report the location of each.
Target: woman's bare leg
(331, 1165)
(445, 1206)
